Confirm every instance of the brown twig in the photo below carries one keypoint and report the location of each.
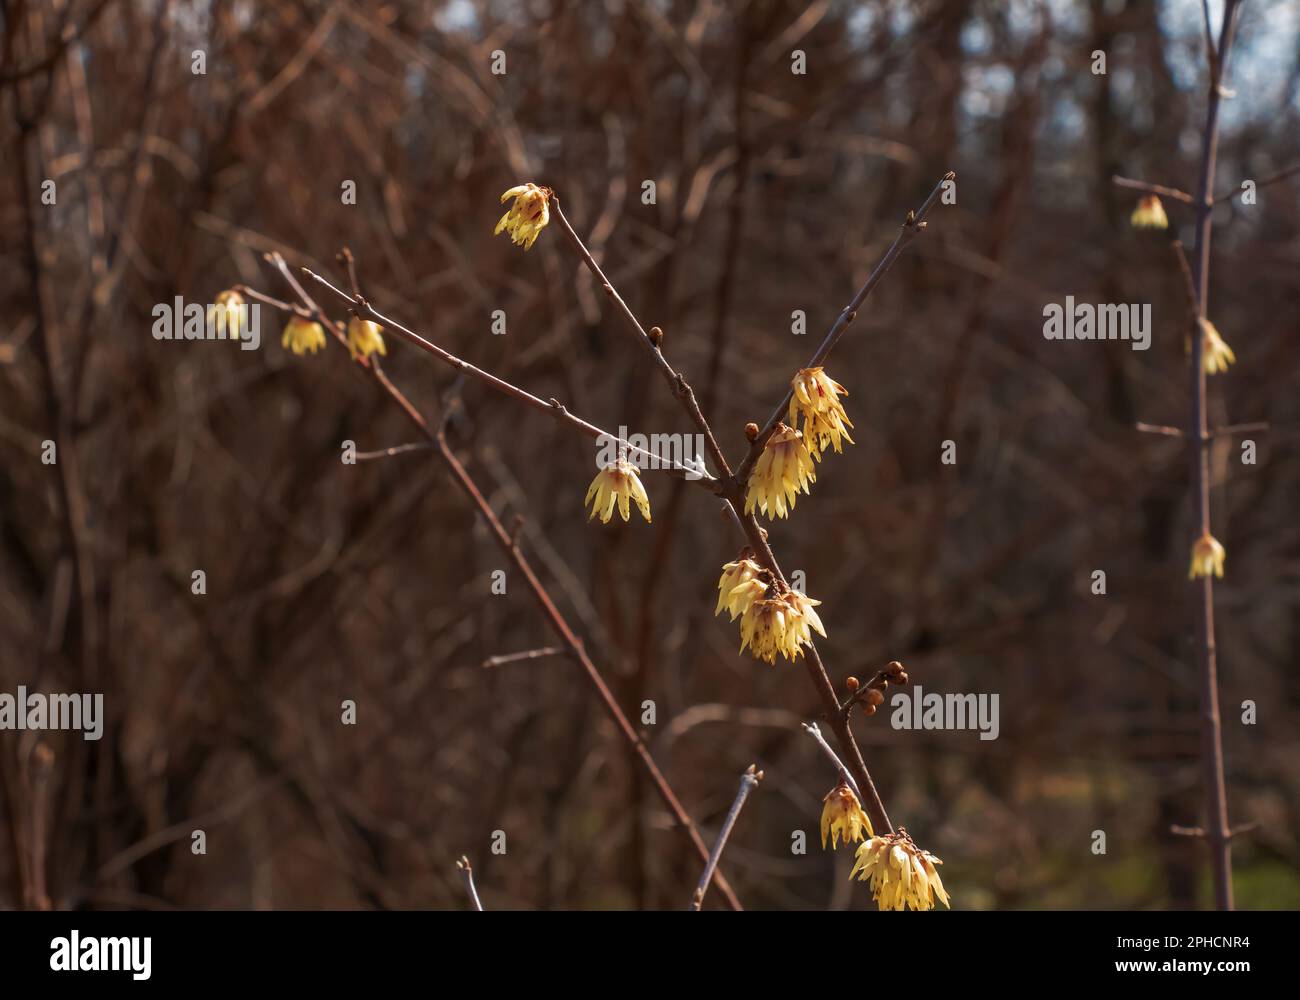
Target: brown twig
(528, 654)
(1218, 835)
(553, 407)
(815, 732)
(1281, 175)
(732, 487)
(913, 226)
(1164, 192)
(680, 388)
(748, 782)
(467, 874)
(891, 673)
(397, 449)
(508, 544)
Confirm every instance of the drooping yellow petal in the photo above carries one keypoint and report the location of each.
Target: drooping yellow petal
(842, 817)
(1207, 557)
(1149, 214)
(614, 487)
(303, 336)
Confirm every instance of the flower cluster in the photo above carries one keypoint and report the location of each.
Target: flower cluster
(842, 816)
(771, 622)
(784, 468)
(901, 874)
(617, 484)
(817, 400)
(528, 216)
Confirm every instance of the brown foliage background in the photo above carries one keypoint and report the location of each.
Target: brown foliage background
(775, 192)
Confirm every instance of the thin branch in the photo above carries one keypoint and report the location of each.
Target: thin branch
(1218, 834)
(528, 654)
(1160, 429)
(70, 33)
(891, 673)
(652, 345)
(913, 226)
(467, 874)
(1230, 429)
(732, 486)
(1211, 51)
(812, 730)
(553, 407)
(748, 782)
(1282, 175)
(397, 449)
(1164, 192)
(552, 613)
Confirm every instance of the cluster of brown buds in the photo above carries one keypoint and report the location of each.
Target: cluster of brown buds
(873, 695)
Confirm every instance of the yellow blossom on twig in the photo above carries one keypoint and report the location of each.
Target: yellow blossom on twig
(528, 216)
(1207, 557)
(738, 588)
(302, 335)
(784, 468)
(1216, 355)
(1149, 214)
(617, 484)
(365, 338)
(842, 816)
(230, 313)
(817, 399)
(902, 875)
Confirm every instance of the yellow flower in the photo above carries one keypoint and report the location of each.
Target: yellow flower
(806, 619)
(817, 398)
(528, 216)
(1216, 355)
(842, 816)
(784, 468)
(617, 484)
(228, 313)
(301, 336)
(778, 624)
(1207, 557)
(901, 874)
(364, 338)
(1149, 214)
(736, 576)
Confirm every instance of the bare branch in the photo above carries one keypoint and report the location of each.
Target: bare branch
(528, 654)
(748, 782)
(1164, 192)
(812, 730)
(467, 873)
